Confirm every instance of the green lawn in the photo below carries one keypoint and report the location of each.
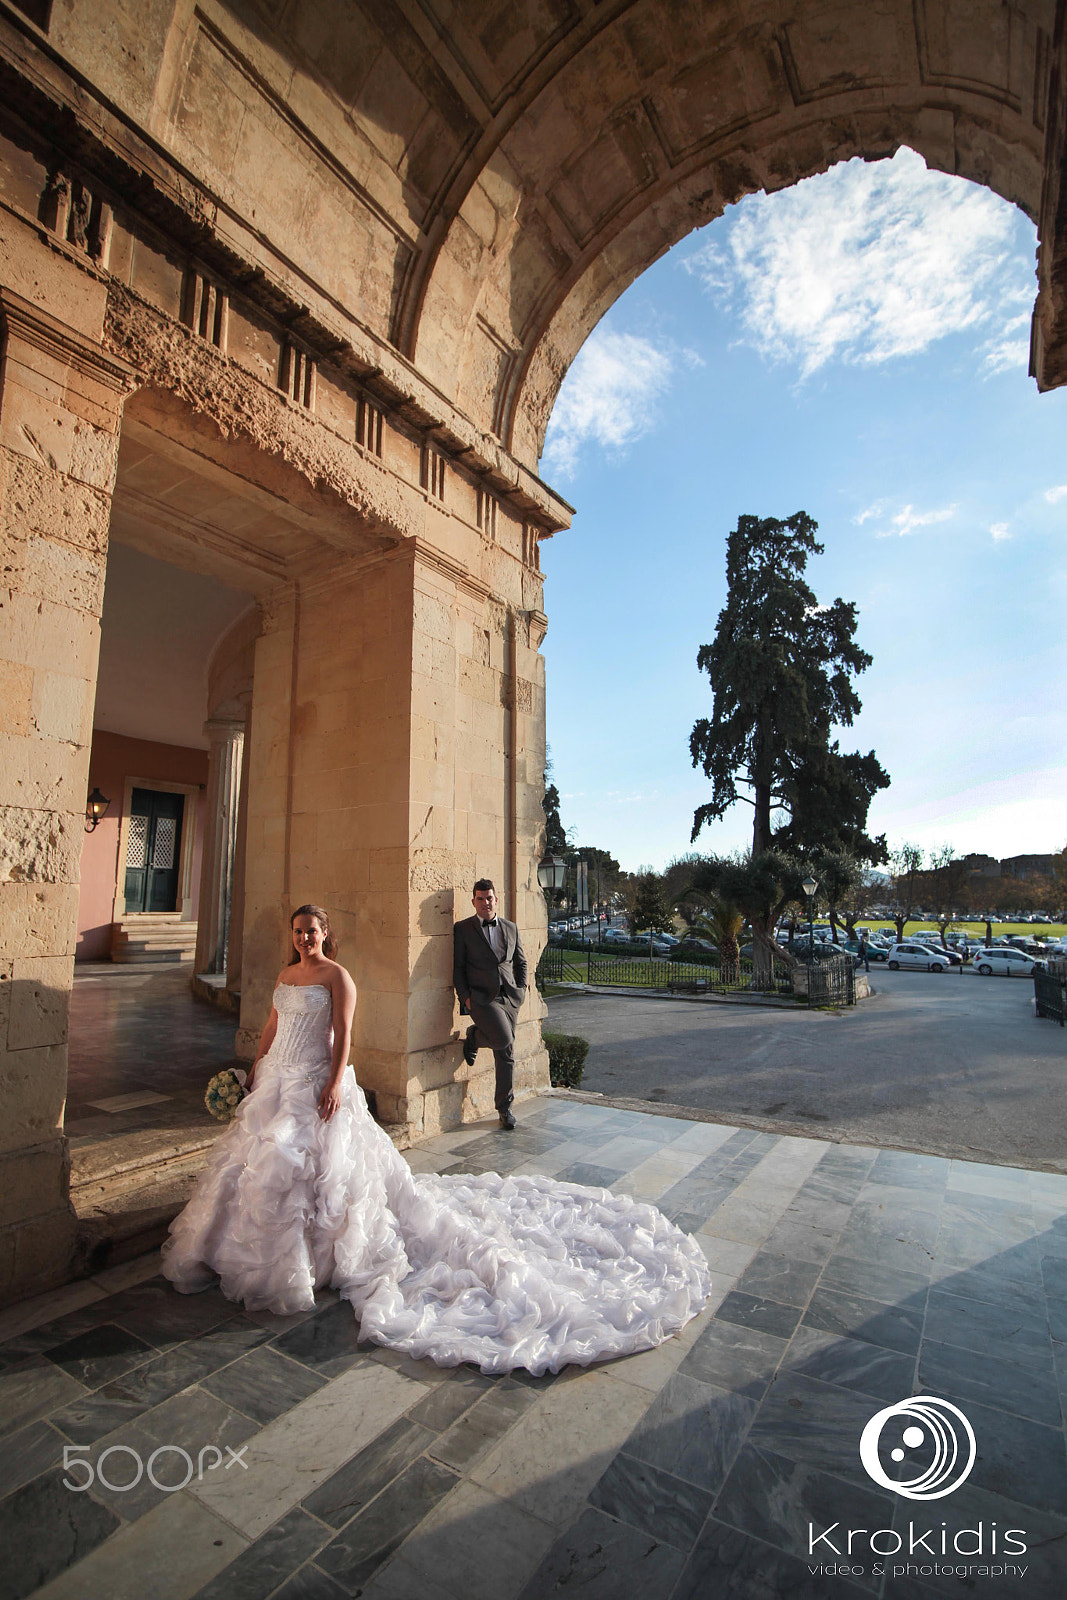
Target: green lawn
(1027, 930)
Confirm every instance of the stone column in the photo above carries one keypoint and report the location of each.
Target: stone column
(220, 841)
(235, 943)
(60, 409)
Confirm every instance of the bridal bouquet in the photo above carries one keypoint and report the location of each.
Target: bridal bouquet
(225, 1092)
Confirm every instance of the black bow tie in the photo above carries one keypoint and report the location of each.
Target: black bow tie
(486, 923)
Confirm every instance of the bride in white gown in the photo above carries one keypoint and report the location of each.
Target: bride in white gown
(305, 1191)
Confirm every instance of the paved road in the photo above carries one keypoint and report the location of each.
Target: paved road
(948, 1065)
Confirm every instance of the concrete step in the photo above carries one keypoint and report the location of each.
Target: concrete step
(153, 936)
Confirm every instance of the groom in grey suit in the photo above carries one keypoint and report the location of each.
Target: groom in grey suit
(489, 977)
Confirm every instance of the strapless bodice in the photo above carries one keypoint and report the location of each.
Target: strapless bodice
(305, 1026)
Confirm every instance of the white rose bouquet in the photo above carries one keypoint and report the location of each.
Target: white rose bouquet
(225, 1092)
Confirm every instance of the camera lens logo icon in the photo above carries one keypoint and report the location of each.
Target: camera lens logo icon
(937, 1437)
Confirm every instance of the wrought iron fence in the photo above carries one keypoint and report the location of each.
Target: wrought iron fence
(1050, 992)
(559, 966)
(643, 972)
(832, 982)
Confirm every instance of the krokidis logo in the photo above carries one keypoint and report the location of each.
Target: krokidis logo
(929, 1439)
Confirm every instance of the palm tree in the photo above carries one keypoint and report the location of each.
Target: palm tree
(722, 922)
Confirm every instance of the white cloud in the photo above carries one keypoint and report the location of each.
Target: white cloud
(871, 261)
(872, 511)
(909, 521)
(609, 397)
(1052, 495)
(1000, 532)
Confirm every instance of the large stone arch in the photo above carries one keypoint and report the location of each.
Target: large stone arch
(655, 117)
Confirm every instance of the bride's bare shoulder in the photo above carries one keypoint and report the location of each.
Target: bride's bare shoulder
(340, 975)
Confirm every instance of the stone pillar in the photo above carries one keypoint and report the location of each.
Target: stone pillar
(397, 719)
(235, 943)
(220, 841)
(60, 408)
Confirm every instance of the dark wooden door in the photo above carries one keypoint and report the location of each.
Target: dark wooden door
(153, 850)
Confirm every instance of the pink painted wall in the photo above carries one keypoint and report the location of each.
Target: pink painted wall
(114, 759)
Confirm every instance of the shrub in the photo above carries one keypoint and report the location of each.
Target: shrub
(566, 1058)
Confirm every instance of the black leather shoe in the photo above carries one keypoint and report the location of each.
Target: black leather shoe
(470, 1046)
(506, 1119)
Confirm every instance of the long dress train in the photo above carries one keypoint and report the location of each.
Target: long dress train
(504, 1272)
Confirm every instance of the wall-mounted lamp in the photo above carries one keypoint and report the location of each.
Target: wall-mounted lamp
(95, 809)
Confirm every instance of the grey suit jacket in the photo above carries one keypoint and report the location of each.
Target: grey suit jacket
(476, 969)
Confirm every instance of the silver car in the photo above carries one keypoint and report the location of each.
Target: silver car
(918, 956)
(1007, 963)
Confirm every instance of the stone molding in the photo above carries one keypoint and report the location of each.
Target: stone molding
(41, 331)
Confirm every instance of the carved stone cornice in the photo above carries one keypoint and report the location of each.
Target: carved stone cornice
(36, 327)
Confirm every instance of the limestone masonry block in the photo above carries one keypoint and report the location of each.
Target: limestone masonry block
(40, 846)
(39, 1001)
(16, 697)
(33, 1182)
(42, 774)
(33, 1089)
(37, 919)
(63, 707)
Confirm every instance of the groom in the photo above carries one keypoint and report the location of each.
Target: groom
(489, 977)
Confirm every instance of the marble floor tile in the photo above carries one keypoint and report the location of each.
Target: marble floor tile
(379, 1530)
(806, 1241)
(477, 1545)
(447, 1402)
(703, 1137)
(291, 1456)
(397, 1581)
(550, 1459)
(592, 1175)
(46, 1308)
(909, 1170)
(885, 1375)
(328, 1342)
(267, 1563)
(782, 1279)
(1023, 1460)
(100, 1356)
(656, 1502)
(754, 1311)
(309, 1582)
(353, 1486)
(892, 1327)
(263, 1384)
(727, 1256)
(731, 1563)
(967, 1375)
(693, 1430)
(592, 1554)
(1044, 1534)
(489, 1420)
(816, 1423)
(33, 1389)
(774, 1499)
(180, 1543)
(874, 1280)
(45, 1527)
(729, 1356)
(1012, 1332)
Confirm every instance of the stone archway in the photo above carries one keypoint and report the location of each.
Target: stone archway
(344, 255)
(645, 121)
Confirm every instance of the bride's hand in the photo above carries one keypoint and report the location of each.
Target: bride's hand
(329, 1101)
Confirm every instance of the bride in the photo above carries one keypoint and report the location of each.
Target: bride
(305, 1191)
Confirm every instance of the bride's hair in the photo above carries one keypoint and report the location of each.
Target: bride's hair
(329, 943)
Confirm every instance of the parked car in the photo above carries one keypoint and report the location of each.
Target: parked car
(1006, 962)
(918, 957)
(876, 951)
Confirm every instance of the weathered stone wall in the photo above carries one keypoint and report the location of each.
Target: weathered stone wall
(60, 400)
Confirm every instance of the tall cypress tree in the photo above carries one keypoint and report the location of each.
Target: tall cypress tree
(782, 667)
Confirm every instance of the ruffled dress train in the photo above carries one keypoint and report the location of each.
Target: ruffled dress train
(503, 1272)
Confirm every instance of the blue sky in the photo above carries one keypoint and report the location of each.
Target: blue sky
(855, 347)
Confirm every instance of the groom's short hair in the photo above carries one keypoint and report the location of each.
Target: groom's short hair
(486, 885)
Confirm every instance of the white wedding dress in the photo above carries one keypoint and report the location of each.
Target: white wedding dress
(503, 1272)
